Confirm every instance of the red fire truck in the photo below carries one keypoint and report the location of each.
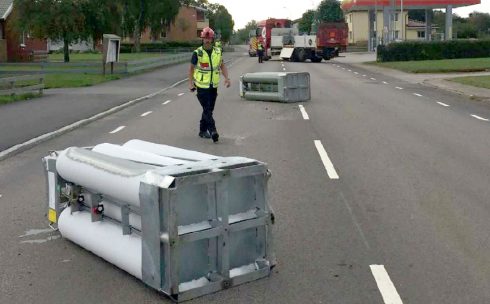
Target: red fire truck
(263, 34)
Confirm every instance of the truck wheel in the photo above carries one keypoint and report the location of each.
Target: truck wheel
(316, 59)
(301, 55)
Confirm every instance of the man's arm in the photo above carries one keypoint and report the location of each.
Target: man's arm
(224, 70)
(192, 87)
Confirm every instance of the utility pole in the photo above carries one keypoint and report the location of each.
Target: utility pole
(402, 20)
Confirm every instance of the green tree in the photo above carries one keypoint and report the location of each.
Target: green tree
(329, 11)
(138, 15)
(58, 20)
(101, 17)
(481, 21)
(242, 35)
(220, 21)
(306, 21)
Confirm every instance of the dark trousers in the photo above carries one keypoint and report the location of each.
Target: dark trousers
(207, 99)
(261, 56)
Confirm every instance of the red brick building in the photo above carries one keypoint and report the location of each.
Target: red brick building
(15, 46)
(188, 25)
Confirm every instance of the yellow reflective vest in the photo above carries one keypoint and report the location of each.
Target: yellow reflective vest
(207, 69)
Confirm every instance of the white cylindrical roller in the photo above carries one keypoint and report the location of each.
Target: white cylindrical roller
(136, 155)
(104, 239)
(168, 151)
(99, 173)
(114, 211)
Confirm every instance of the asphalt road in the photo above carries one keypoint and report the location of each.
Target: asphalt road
(405, 222)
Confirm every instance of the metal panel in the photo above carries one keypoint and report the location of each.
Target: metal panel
(276, 86)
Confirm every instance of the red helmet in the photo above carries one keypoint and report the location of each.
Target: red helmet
(207, 32)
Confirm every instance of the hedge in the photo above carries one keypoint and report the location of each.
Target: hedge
(433, 50)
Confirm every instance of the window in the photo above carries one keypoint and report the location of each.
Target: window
(397, 35)
(350, 35)
(200, 16)
(396, 16)
(420, 34)
(1, 31)
(199, 33)
(350, 18)
(163, 33)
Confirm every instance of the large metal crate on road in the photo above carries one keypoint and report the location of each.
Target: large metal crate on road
(276, 86)
(186, 226)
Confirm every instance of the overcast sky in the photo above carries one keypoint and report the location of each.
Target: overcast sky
(244, 11)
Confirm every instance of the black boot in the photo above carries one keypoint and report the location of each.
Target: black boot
(214, 136)
(204, 134)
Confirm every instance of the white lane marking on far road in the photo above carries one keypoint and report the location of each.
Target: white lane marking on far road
(167, 102)
(146, 113)
(363, 75)
(372, 78)
(478, 117)
(117, 129)
(326, 160)
(303, 112)
(399, 88)
(443, 104)
(417, 94)
(180, 94)
(385, 285)
(356, 73)
(385, 82)
(283, 69)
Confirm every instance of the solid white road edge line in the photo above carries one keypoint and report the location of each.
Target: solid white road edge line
(478, 117)
(117, 129)
(326, 160)
(385, 285)
(146, 113)
(443, 104)
(303, 112)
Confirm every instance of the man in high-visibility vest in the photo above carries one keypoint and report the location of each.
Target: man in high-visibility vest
(260, 52)
(204, 75)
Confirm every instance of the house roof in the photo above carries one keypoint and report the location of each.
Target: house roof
(5, 8)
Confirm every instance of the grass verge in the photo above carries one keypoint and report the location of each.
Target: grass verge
(476, 81)
(9, 99)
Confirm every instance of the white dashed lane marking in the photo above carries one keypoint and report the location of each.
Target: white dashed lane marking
(399, 88)
(167, 102)
(443, 104)
(417, 94)
(146, 113)
(385, 285)
(385, 82)
(180, 94)
(327, 163)
(117, 129)
(303, 112)
(372, 78)
(478, 117)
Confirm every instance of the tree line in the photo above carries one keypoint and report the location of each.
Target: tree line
(71, 21)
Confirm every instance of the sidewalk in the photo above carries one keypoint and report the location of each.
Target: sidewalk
(437, 80)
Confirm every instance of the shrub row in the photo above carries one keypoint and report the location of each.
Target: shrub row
(433, 50)
(167, 46)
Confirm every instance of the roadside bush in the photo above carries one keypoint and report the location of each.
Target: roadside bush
(433, 50)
